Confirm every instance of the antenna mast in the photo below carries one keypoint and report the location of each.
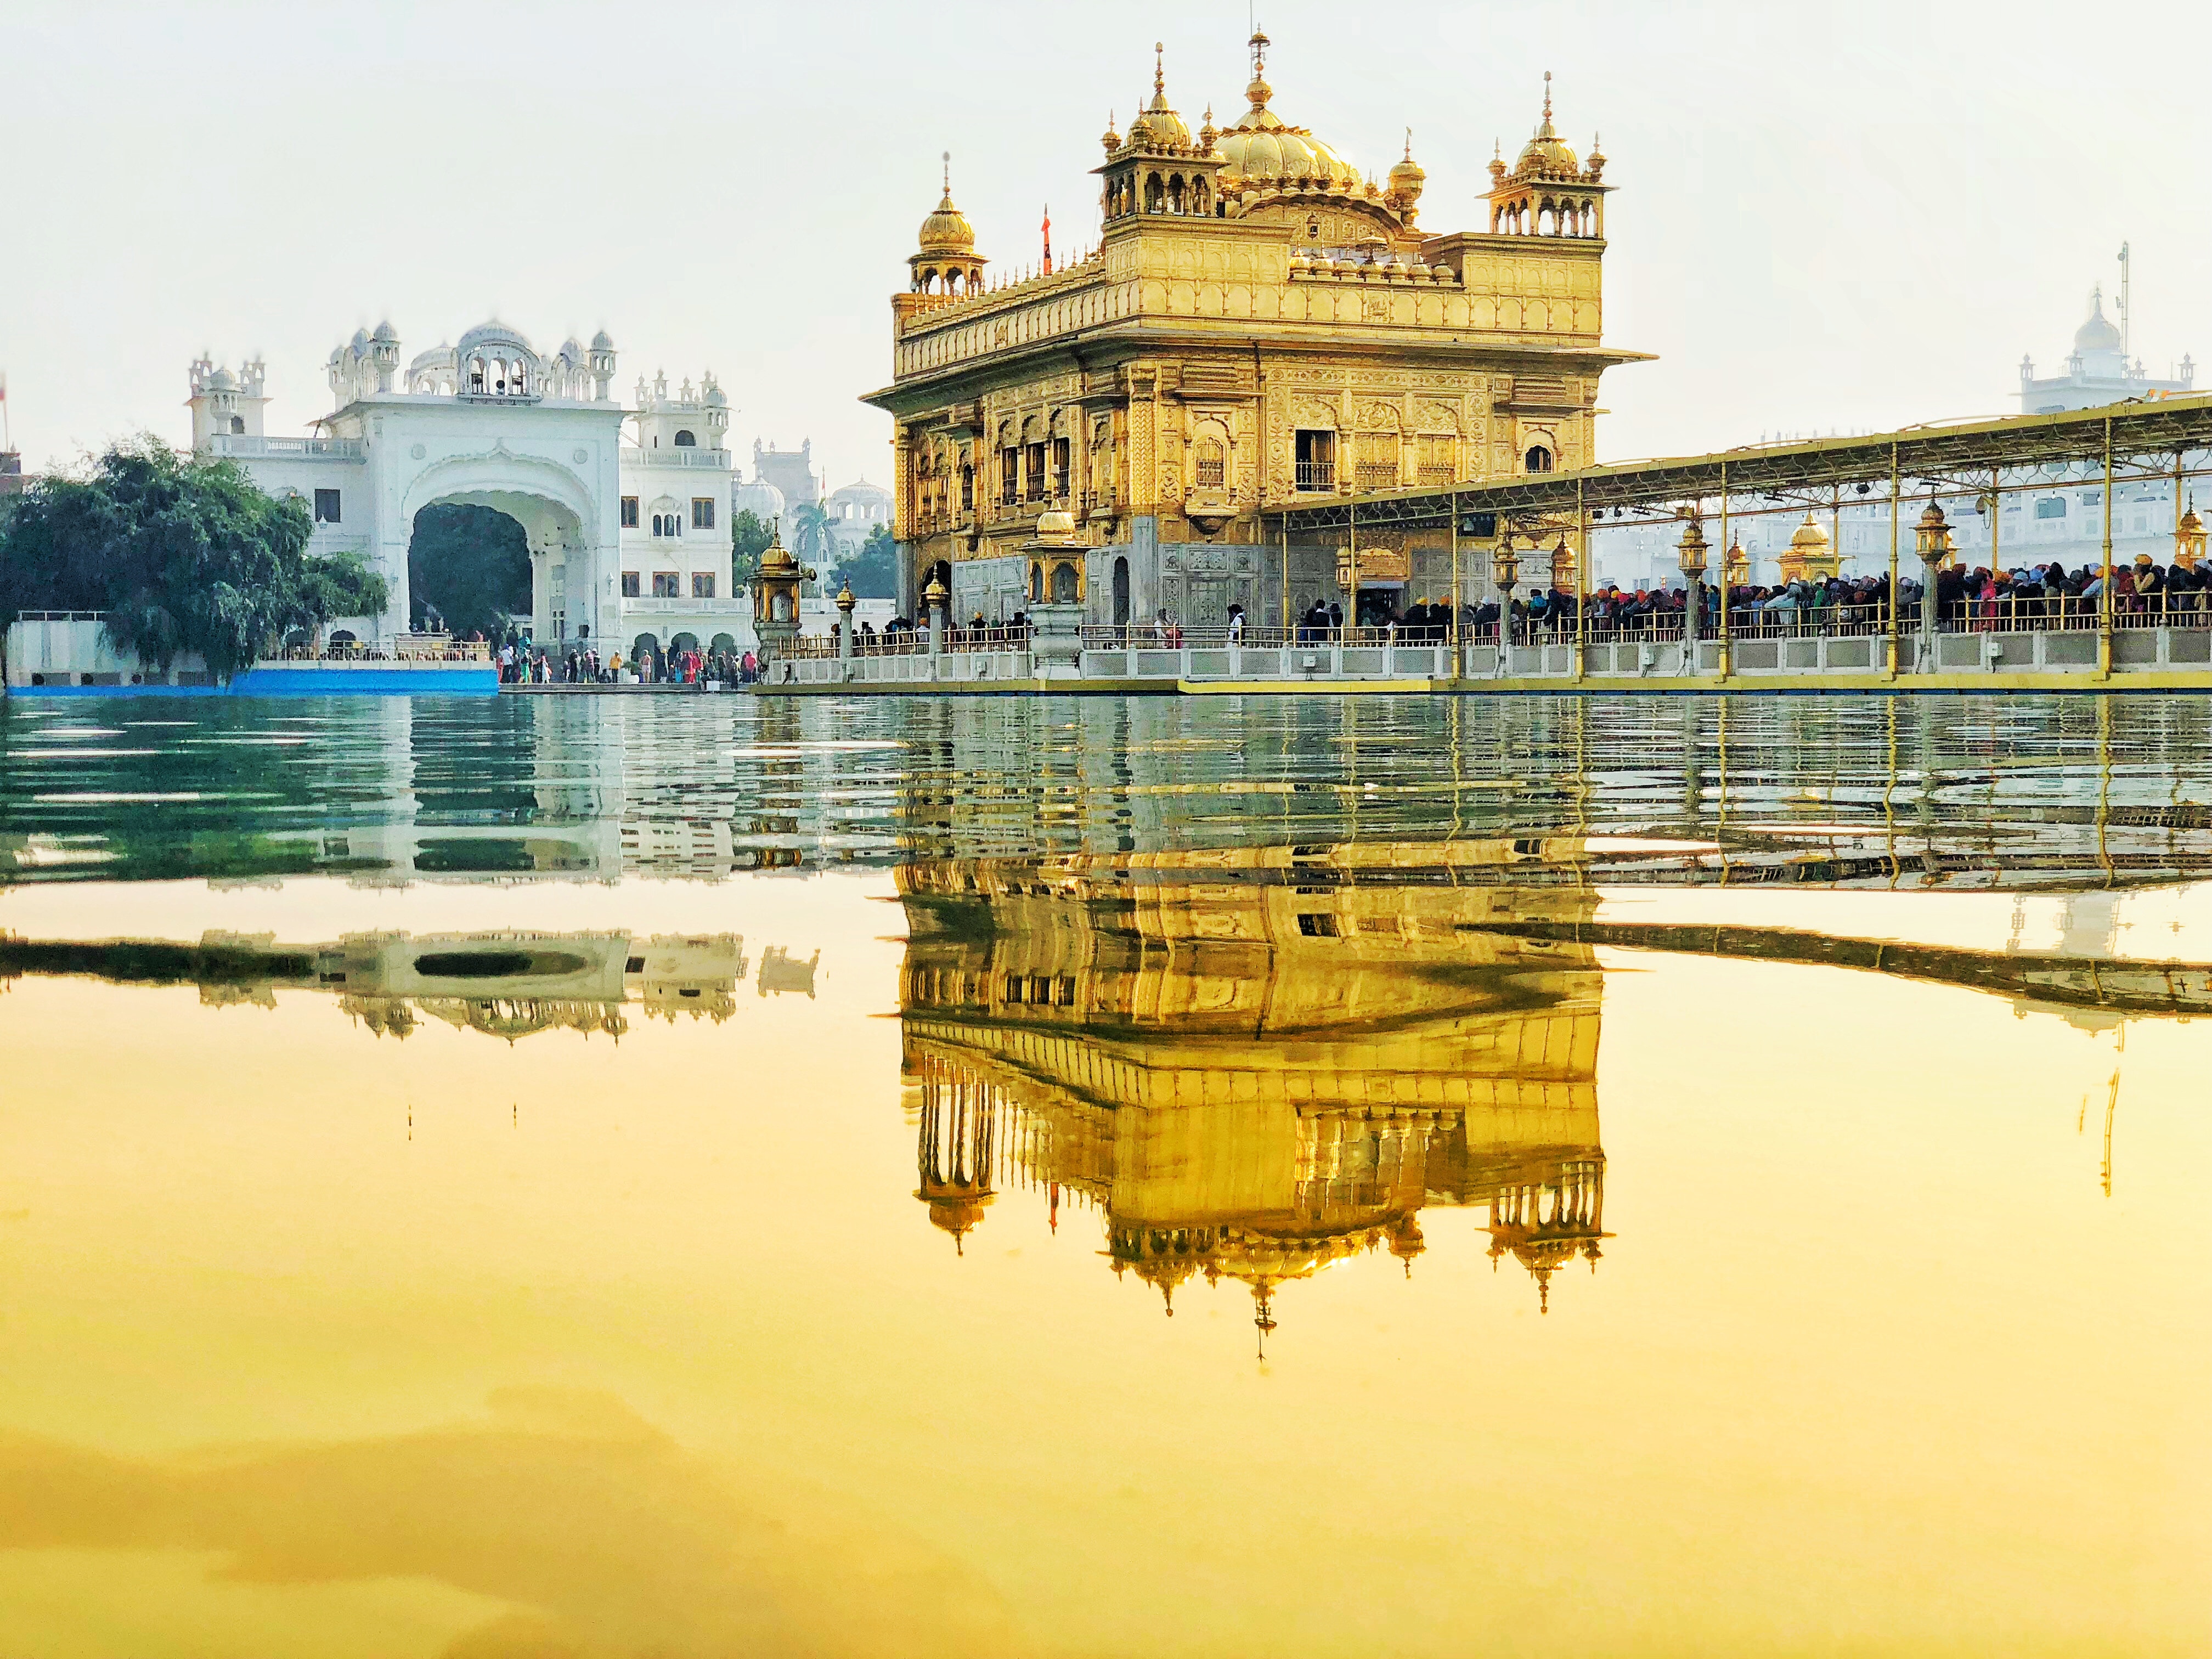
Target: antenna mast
(2127, 332)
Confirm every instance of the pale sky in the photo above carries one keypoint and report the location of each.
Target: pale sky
(1823, 217)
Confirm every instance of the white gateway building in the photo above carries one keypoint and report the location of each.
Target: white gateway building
(625, 509)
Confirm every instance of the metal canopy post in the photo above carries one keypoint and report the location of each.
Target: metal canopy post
(2104, 586)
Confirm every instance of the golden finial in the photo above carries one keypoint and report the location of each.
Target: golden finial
(1159, 68)
(1409, 144)
(1547, 97)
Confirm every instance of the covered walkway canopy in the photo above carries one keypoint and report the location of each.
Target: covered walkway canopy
(2141, 438)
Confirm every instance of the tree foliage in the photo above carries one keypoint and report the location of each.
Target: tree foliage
(184, 555)
(749, 535)
(471, 566)
(872, 572)
(809, 532)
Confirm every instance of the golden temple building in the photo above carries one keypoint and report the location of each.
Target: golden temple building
(1259, 324)
(1253, 1063)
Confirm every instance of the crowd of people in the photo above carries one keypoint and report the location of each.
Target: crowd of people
(2026, 596)
(523, 662)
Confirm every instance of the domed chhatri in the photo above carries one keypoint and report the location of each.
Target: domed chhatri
(1546, 155)
(1407, 180)
(1159, 127)
(947, 230)
(2098, 333)
(1811, 556)
(945, 259)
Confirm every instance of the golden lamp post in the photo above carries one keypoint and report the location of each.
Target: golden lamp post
(1690, 554)
(1931, 540)
(1505, 567)
(2189, 538)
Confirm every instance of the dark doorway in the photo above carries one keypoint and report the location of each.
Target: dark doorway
(469, 565)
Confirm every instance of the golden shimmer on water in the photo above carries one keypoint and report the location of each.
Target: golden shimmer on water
(483, 1333)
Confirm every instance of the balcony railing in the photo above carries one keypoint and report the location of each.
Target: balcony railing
(664, 606)
(717, 458)
(1317, 478)
(290, 449)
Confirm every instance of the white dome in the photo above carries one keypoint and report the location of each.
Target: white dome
(2098, 334)
(601, 343)
(385, 333)
(223, 380)
(489, 336)
(763, 500)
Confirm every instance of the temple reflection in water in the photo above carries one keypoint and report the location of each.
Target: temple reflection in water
(1256, 1062)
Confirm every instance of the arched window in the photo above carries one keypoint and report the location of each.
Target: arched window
(1036, 584)
(1538, 458)
(1208, 469)
(685, 440)
(238, 426)
(1065, 584)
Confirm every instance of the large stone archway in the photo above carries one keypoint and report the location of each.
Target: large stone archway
(571, 536)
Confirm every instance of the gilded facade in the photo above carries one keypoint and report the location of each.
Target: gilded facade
(1258, 325)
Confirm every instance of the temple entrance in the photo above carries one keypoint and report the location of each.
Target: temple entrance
(1121, 591)
(468, 572)
(1380, 604)
(499, 545)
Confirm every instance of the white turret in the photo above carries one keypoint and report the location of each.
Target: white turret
(690, 417)
(226, 404)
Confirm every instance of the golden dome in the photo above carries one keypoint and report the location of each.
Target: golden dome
(1407, 176)
(947, 230)
(1160, 127)
(776, 558)
(1262, 149)
(1546, 155)
(1810, 541)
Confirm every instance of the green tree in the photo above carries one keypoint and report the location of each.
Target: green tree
(182, 554)
(469, 565)
(749, 535)
(872, 573)
(809, 532)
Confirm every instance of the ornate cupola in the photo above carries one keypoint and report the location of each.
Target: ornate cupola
(1160, 170)
(1407, 180)
(1548, 192)
(947, 262)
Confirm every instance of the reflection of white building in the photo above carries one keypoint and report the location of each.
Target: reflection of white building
(492, 423)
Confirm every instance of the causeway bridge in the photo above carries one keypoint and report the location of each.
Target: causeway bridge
(1891, 635)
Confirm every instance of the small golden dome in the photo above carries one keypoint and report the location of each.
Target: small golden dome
(947, 230)
(1546, 155)
(1159, 125)
(1810, 540)
(776, 558)
(1407, 176)
(1110, 140)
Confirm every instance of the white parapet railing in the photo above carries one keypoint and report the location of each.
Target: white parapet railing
(717, 458)
(309, 449)
(736, 605)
